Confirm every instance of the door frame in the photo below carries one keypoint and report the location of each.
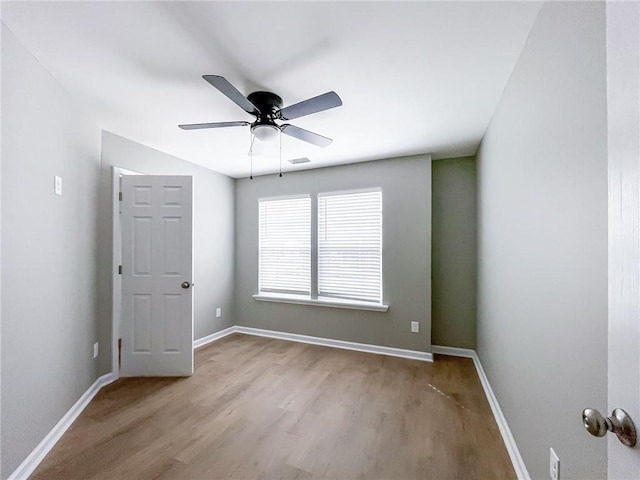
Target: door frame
(116, 260)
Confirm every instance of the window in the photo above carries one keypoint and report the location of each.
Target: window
(285, 246)
(350, 246)
(347, 245)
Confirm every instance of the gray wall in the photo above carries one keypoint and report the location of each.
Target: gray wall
(49, 247)
(406, 187)
(542, 234)
(453, 251)
(213, 237)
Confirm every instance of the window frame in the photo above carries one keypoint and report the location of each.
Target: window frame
(313, 298)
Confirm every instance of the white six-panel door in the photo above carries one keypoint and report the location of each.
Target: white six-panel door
(157, 272)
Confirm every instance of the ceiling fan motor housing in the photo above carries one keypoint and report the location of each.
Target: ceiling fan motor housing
(269, 104)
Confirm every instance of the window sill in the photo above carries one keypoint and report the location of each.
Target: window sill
(320, 302)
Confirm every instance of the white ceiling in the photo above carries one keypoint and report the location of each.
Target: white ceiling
(414, 77)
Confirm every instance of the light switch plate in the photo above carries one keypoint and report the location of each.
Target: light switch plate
(57, 185)
(218, 312)
(95, 350)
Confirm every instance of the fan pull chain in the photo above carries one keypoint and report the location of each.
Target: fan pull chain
(253, 138)
(280, 153)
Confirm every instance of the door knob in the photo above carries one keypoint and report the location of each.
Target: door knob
(619, 423)
(185, 285)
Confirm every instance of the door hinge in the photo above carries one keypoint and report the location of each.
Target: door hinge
(120, 269)
(120, 196)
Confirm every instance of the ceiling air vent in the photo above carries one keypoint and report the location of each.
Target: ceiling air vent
(296, 161)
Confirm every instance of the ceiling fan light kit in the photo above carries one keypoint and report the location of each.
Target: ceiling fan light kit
(267, 108)
(264, 131)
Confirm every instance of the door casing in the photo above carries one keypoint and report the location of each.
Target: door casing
(116, 256)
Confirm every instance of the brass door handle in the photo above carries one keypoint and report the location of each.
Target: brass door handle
(619, 423)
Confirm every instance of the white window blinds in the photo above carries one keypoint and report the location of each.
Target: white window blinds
(285, 246)
(350, 246)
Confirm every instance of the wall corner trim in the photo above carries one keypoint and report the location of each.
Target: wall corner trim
(509, 442)
(201, 342)
(32, 461)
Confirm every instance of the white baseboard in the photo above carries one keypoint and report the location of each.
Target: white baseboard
(30, 463)
(507, 437)
(454, 351)
(201, 342)
(327, 342)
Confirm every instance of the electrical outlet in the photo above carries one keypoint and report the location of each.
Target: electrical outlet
(218, 312)
(415, 327)
(554, 465)
(57, 185)
(95, 350)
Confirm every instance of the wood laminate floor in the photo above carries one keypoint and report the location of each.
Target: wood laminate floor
(259, 408)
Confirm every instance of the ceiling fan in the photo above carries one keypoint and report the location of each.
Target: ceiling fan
(267, 108)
